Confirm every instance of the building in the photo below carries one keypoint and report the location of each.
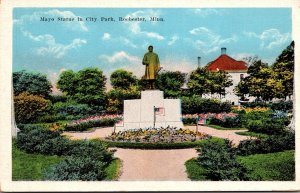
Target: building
(236, 69)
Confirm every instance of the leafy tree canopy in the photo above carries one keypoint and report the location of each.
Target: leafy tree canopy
(86, 86)
(33, 83)
(170, 83)
(122, 79)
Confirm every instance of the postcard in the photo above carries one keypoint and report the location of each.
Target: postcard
(149, 96)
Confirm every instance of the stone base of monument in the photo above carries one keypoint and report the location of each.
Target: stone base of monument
(152, 110)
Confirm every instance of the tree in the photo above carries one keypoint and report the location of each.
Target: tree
(67, 82)
(33, 83)
(220, 80)
(260, 83)
(198, 82)
(86, 86)
(123, 79)
(203, 81)
(29, 107)
(284, 70)
(269, 82)
(125, 86)
(170, 83)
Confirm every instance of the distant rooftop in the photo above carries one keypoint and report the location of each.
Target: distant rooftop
(226, 63)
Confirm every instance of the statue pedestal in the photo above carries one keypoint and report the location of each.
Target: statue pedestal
(139, 113)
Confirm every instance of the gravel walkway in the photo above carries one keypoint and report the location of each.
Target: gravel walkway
(98, 133)
(156, 164)
(225, 134)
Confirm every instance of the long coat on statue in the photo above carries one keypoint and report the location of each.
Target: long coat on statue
(151, 61)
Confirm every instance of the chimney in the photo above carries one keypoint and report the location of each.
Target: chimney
(223, 51)
(199, 59)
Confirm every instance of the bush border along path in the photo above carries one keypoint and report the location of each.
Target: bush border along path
(139, 145)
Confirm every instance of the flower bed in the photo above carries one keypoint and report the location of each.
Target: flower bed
(213, 118)
(94, 121)
(154, 135)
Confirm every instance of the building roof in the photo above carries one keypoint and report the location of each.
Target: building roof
(228, 64)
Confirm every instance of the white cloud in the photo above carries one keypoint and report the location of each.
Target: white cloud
(123, 60)
(54, 13)
(106, 36)
(52, 48)
(173, 40)
(127, 42)
(270, 38)
(119, 56)
(206, 12)
(207, 41)
(135, 27)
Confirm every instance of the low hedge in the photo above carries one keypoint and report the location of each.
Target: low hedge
(139, 145)
(229, 122)
(274, 143)
(84, 126)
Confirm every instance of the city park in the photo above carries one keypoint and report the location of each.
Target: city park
(187, 128)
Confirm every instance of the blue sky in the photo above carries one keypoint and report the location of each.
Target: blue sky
(185, 34)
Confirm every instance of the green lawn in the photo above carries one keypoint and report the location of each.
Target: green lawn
(272, 166)
(278, 166)
(30, 167)
(113, 170)
(224, 128)
(253, 134)
(194, 171)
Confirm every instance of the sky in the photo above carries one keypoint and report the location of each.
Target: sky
(50, 47)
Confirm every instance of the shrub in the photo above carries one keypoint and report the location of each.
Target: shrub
(219, 162)
(86, 160)
(196, 104)
(77, 168)
(264, 122)
(281, 105)
(274, 143)
(229, 122)
(95, 149)
(41, 140)
(72, 110)
(29, 107)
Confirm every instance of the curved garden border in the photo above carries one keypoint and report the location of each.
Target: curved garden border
(158, 145)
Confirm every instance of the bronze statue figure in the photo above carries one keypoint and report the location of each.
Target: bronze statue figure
(151, 61)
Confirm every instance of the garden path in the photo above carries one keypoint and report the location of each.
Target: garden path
(156, 164)
(225, 134)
